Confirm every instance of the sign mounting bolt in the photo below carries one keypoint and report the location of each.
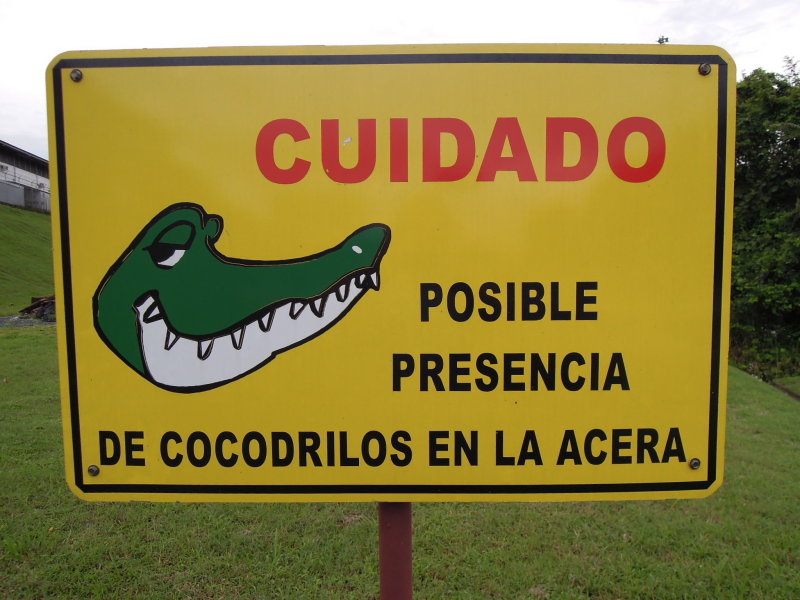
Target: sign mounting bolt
(94, 470)
(704, 69)
(694, 464)
(76, 75)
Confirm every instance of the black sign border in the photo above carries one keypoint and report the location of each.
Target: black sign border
(386, 59)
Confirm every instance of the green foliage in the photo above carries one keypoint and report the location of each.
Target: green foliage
(765, 309)
(26, 259)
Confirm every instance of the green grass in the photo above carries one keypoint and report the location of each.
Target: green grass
(26, 261)
(743, 542)
(790, 383)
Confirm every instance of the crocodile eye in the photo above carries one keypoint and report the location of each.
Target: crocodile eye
(171, 244)
(166, 255)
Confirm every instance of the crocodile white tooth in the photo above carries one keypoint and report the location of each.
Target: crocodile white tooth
(204, 348)
(360, 279)
(237, 337)
(376, 280)
(265, 321)
(297, 308)
(153, 313)
(343, 291)
(318, 306)
(170, 340)
(144, 303)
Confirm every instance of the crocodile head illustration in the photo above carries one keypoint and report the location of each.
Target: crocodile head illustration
(188, 318)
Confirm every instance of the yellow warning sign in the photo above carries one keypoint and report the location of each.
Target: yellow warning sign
(393, 273)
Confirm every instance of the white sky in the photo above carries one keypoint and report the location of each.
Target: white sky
(32, 32)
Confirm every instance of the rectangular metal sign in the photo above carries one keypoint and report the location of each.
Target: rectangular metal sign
(393, 273)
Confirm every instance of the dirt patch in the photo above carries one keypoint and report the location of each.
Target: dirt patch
(41, 311)
(22, 322)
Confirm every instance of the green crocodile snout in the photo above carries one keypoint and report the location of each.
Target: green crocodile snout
(189, 318)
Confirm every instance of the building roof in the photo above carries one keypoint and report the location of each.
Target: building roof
(5, 147)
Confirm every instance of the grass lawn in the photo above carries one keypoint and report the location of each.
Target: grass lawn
(26, 261)
(743, 542)
(790, 383)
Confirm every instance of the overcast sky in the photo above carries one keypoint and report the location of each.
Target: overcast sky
(757, 33)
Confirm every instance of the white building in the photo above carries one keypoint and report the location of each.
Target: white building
(24, 179)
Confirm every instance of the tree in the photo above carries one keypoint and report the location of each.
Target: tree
(765, 295)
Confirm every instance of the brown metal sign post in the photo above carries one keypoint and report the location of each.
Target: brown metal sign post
(394, 541)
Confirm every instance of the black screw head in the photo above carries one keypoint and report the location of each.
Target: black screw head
(704, 69)
(694, 464)
(94, 470)
(76, 75)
